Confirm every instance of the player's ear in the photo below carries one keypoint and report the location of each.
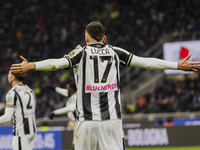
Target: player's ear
(104, 38)
(87, 39)
(14, 77)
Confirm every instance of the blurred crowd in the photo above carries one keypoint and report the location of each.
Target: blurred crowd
(51, 28)
(170, 95)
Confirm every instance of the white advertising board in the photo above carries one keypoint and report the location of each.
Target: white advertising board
(177, 51)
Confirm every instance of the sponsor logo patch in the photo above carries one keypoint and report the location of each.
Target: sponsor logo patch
(71, 53)
(8, 99)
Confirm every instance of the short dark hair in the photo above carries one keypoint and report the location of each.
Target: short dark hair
(96, 30)
(19, 76)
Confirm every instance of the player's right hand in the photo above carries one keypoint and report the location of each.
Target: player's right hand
(22, 67)
(51, 115)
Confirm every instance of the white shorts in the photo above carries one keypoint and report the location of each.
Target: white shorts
(24, 142)
(98, 135)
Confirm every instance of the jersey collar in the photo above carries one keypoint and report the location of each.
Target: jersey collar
(97, 45)
(20, 84)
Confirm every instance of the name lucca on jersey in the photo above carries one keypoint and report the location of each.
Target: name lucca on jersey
(100, 51)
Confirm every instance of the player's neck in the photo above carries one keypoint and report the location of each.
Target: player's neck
(16, 82)
(94, 42)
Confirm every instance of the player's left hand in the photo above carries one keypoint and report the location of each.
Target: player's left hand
(186, 65)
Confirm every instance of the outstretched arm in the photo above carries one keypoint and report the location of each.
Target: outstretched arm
(158, 64)
(45, 65)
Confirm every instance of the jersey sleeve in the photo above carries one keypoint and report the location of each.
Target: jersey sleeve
(124, 56)
(11, 99)
(153, 63)
(7, 115)
(62, 91)
(70, 108)
(74, 57)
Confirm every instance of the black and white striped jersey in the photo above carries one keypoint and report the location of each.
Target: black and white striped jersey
(97, 70)
(23, 99)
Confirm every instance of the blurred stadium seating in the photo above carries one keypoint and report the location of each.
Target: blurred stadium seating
(50, 28)
(45, 29)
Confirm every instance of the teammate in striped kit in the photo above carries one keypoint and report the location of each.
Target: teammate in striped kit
(20, 105)
(99, 124)
(70, 107)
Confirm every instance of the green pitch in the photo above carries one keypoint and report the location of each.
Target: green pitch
(167, 148)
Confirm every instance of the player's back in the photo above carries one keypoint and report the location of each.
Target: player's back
(98, 84)
(24, 100)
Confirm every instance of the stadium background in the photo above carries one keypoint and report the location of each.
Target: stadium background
(49, 29)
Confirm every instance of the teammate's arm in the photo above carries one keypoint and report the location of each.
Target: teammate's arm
(9, 111)
(58, 90)
(64, 110)
(62, 91)
(159, 64)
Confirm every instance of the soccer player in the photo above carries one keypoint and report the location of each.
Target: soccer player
(20, 105)
(99, 122)
(70, 108)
